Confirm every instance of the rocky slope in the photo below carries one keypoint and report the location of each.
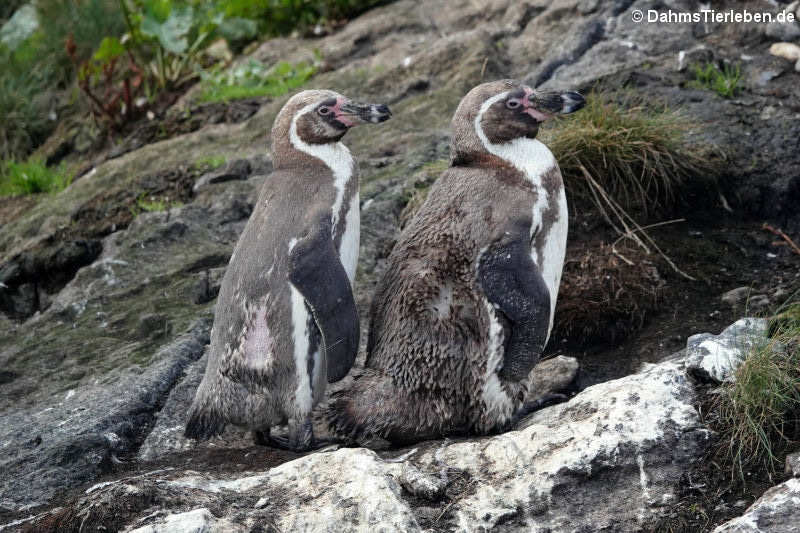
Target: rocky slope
(104, 312)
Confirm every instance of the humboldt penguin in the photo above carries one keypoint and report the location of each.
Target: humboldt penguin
(465, 307)
(285, 321)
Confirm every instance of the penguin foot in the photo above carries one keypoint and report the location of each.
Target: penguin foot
(299, 439)
(527, 408)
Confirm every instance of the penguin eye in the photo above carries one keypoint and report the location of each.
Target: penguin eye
(512, 104)
(323, 110)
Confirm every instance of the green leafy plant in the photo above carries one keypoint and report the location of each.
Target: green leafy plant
(724, 82)
(31, 177)
(35, 72)
(111, 91)
(167, 37)
(253, 79)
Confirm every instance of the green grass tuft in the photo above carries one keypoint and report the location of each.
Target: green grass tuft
(254, 80)
(758, 415)
(31, 177)
(211, 162)
(152, 204)
(641, 155)
(724, 82)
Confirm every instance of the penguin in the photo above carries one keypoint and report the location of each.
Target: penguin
(285, 320)
(465, 307)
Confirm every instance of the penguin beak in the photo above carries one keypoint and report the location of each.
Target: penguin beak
(545, 104)
(354, 113)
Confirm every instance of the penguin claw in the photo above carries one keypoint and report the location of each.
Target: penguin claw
(527, 408)
(300, 439)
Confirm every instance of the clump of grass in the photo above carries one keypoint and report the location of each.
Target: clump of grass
(641, 155)
(153, 204)
(724, 82)
(758, 414)
(254, 80)
(31, 177)
(211, 162)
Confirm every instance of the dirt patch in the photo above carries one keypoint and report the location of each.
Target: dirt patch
(723, 253)
(606, 293)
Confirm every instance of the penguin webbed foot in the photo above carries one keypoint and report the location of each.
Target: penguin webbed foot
(546, 400)
(299, 439)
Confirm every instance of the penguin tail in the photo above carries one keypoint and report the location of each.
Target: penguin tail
(205, 420)
(374, 407)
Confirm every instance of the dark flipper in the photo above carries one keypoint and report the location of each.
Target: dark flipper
(316, 271)
(512, 282)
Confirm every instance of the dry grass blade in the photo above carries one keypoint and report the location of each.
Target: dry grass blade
(781, 234)
(633, 230)
(643, 156)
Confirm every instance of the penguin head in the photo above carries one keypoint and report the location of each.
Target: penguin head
(321, 117)
(501, 111)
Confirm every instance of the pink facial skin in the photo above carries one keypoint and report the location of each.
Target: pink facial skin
(340, 115)
(535, 113)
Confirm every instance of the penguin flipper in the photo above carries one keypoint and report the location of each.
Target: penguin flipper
(512, 282)
(316, 271)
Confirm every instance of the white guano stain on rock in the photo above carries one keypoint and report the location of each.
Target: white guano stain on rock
(619, 426)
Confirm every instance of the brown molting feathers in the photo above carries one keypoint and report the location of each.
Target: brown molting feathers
(464, 307)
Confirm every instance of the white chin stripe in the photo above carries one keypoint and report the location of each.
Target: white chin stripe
(533, 159)
(335, 155)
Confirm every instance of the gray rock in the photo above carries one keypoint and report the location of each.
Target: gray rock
(553, 375)
(793, 464)
(737, 296)
(20, 26)
(553, 474)
(78, 435)
(196, 521)
(238, 169)
(716, 357)
(777, 511)
(783, 31)
(698, 55)
(86, 362)
(421, 484)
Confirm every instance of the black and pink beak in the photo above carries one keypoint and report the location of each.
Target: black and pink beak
(542, 105)
(352, 113)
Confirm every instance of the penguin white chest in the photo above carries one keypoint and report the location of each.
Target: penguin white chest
(345, 215)
(338, 159)
(535, 160)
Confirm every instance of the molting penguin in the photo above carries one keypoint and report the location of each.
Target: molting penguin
(285, 320)
(466, 305)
